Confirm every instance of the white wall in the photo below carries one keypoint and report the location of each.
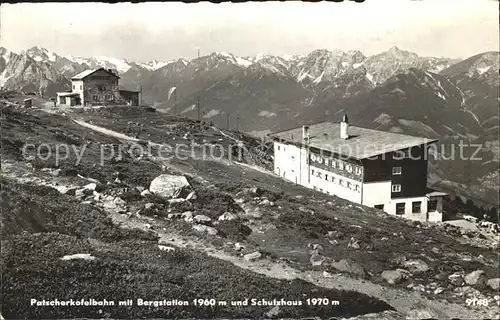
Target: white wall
(375, 193)
(78, 88)
(289, 162)
(421, 216)
(334, 187)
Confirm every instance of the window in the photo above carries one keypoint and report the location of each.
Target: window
(341, 166)
(81, 87)
(312, 172)
(379, 206)
(293, 158)
(95, 97)
(73, 87)
(396, 188)
(396, 171)
(62, 100)
(348, 185)
(416, 207)
(341, 182)
(357, 188)
(400, 208)
(432, 205)
(111, 97)
(333, 179)
(326, 176)
(319, 175)
(278, 148)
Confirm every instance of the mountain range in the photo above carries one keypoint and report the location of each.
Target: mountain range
(449, 99)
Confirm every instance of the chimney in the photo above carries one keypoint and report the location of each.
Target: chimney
(305, 133)
(344, 126)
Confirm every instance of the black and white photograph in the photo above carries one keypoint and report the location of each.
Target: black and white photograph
(250, 160)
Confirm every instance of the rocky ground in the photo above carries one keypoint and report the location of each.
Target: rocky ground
(211, 217)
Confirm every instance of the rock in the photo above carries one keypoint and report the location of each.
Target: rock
(203, 228)
(416, 266)
(438, 290)
(349, 266)
(275, 311)
(252, 211)
(316, 259)
(238, 246)
(456, 279)
(187, 216)
(252, 256)
(227, 216)
(394, 276)
(335, 234)
(327, 274)
(140, 189)
(166, 248)
(80, 193)
(494, 283)
(239, 201)
(66, 190)
(145, 193)
(168, 186)
(353, 243)
(91, 186)
(84, 256)
(476, 278)
(315, 246)
(200, 218)
(191, 196)
(149, 205)
(178, 200)
(266, 202)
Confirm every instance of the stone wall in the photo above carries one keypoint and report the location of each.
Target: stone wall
(101, 88)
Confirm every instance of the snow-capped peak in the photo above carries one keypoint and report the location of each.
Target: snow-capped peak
(154, 64)
(39, 53)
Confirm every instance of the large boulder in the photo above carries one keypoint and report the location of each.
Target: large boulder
(252, 256)
(349, 266)
(394, 276)
(494, 283)
(416, 266)
(476, 278)
(169, 186)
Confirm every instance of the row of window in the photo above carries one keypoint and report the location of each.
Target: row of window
(74, 87)
(108, 97)
(416, 207)
(333, 179)
(336, 164)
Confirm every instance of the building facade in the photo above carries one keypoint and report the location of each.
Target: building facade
(379, 169)
(97, 87)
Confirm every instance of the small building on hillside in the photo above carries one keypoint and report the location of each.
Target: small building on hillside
(375, 168)
(131, 97)
(97, 87)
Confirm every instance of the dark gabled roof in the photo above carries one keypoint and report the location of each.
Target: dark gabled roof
(362, 143)
(87, 73)
(121, 88)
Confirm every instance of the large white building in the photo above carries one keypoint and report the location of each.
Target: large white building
(375, 168)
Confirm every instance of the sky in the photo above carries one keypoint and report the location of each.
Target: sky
(165, 31)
